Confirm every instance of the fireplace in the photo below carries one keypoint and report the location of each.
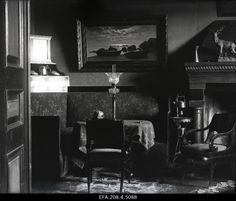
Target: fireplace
(212, 88)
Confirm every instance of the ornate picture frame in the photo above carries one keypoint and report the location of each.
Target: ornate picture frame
(134, 44)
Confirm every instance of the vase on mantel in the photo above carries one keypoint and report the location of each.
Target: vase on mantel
(196, 54)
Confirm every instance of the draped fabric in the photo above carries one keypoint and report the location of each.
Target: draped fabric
(135, 130)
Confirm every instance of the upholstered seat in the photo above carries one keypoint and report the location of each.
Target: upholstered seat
(105, 150)
(198, 150)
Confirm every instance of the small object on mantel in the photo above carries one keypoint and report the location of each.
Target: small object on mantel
(219, 44)
(53, 72)
(196, 54)
(32, 72)
(224, 46)
(44, 70)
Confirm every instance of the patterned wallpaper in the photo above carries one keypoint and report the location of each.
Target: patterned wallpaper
(74, 106)
(130, 105)
(50, 104)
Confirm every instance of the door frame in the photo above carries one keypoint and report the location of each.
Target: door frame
(28, 96)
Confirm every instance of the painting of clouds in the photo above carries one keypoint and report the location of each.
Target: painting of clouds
(121, 43)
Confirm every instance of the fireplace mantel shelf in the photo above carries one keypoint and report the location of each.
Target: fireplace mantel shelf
(210, 67)
(202, 73)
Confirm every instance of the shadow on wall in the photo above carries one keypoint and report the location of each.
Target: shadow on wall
(173, 77)
(67, 37)
(176, 73)
(66, 27)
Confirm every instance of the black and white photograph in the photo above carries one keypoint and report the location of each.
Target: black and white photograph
(117, 99)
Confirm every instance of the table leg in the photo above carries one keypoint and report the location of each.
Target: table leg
(179, 142)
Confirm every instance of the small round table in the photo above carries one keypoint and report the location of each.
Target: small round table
(181, 123)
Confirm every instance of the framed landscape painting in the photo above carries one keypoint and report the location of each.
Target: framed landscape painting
(131, 44)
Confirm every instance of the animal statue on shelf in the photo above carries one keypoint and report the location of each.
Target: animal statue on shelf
(223, 44)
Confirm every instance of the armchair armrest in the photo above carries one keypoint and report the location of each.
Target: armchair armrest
(219, 135)
(191, 131)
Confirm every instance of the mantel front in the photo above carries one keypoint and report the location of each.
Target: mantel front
(202, 73)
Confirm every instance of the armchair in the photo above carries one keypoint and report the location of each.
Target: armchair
(218, 147)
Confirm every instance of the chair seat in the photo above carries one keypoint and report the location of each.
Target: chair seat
(105, 156)
(199, 150)
(104, 150)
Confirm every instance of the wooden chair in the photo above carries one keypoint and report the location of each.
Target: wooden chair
(218, 147)
(105, 146)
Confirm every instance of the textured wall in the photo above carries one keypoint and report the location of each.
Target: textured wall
(130, 105)
(81, 105)
(50, 104)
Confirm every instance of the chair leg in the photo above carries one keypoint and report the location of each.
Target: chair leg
(130, 171)
(212, 167)
(183, 174)
(233, 169)
(121, 180)
(185, 169)
(89, 176)
(129, 177)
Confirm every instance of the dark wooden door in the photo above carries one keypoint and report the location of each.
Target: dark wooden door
(14, 97)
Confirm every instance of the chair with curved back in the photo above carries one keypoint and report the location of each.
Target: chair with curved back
(105, 146)
(218, 147)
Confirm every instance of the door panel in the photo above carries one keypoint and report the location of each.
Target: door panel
(14, 33)
(14, 97)
(14, 161)
(15, 110)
